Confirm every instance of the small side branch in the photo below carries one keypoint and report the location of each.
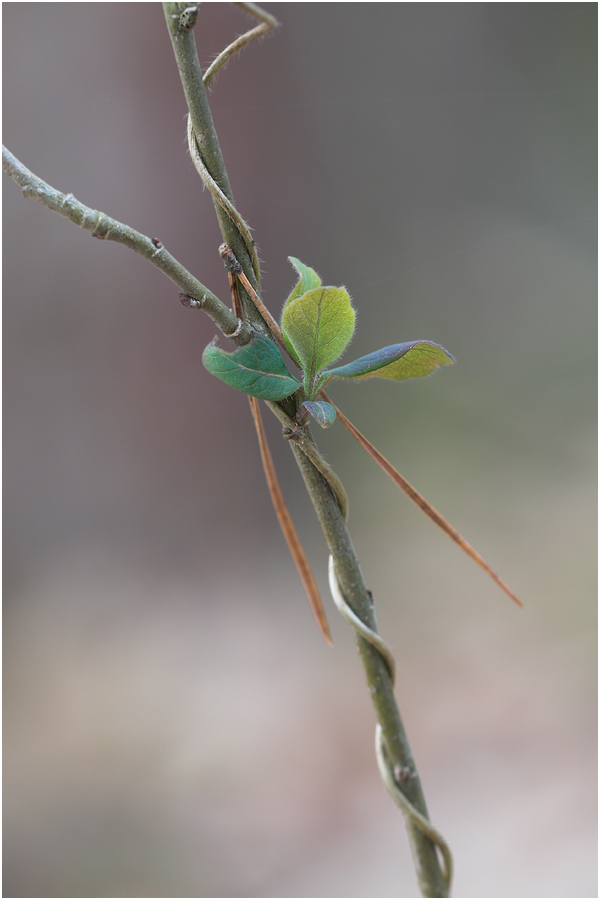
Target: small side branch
(105, 228)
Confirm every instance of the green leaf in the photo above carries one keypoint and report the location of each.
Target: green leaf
(308, 280)
(322, 411)
(318, 327)
(398, 361)
(256, 368)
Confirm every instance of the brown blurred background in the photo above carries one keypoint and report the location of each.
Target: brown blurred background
(174, 724)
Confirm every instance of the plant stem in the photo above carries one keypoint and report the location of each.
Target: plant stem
(103, 227)
(186, 56)
(324, 492)
(432, 881)
(379, 678)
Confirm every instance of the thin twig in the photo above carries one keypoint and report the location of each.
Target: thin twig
(303, 439)
(105, 228)
(180, 19)
(184, 46)
(410, 811)
(432, 880)
(388, 776)
(268, 23)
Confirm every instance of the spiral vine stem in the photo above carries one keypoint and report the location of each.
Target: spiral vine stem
(330, 501)
(385, 769)
(328, 496)
(218, 195)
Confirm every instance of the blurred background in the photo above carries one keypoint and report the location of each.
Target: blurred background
(174, 723)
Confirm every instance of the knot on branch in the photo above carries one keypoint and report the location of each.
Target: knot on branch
(102, 228)
(189, 302)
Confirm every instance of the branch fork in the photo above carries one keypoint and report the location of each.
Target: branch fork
(347, 586)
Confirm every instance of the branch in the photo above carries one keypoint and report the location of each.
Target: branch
(325, 490)
(287, 526)
(328, 496)
(180, 26)
(103, 227)
(401, 768)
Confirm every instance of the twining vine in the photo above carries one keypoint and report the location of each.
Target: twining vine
(316, 326)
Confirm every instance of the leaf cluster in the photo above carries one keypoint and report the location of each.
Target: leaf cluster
(317, 324)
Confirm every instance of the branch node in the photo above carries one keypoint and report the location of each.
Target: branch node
(31, 190)
(187, 19)
(189, 302)
(236, 332)
(403, 774)
(231, 263)
(290, 434)
(101, 229)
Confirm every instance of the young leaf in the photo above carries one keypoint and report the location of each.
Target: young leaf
(256, 368)
(318, 326)
(322, 411)
(308, 280)
(398, 361)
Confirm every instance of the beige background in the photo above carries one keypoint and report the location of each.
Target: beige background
(174, 724)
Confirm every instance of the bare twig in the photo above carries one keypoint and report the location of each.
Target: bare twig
(220, 199)
(180, 25)
(329, 503)
(325, 491)
(102, 226)
(389, 777)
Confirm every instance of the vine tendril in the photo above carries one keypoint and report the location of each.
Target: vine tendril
(268, 23)
(385, 769)
(434, 879)
(218, 195)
